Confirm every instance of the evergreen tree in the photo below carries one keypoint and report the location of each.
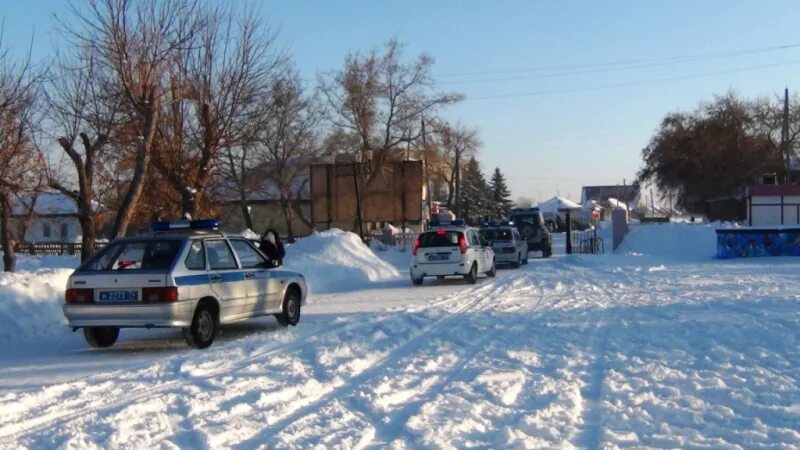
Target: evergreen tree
(475, 195)
(501, 196)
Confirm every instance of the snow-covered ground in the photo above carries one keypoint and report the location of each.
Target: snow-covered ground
(658, 345)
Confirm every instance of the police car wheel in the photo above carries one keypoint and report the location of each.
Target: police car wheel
(101, 337)
(291, 309)
(472, 276)
(417, 281)
(203, 329)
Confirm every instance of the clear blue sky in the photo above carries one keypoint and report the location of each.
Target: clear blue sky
(573, 131)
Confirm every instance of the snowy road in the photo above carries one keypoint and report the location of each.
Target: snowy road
(582, 351)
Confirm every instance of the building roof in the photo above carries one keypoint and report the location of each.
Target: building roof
(557, 204)
(47, 203)
(627, 194)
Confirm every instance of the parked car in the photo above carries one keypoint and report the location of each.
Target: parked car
(530, 224)
(451, 249)
(507, 243)
(184, 275)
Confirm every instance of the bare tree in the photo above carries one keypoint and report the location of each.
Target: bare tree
(217, 86)
(459, 144)
(84, 119)
(288, 142)
(768, 115)
(132, 44)
(20, 162)
(381, 100)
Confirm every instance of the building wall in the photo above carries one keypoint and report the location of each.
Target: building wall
(48, 229)
(768, 210)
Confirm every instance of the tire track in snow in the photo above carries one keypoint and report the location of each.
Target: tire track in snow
(475, 301)
(37, 421)
(592, 393)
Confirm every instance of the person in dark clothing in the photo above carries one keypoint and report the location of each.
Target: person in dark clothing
(272, 247)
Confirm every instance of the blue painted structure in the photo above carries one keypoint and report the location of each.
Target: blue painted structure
(754, 242)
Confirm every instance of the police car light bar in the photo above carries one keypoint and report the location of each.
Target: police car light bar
(206, 224)
(454, 223)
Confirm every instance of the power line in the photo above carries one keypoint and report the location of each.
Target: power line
(636, 83)
(568, 73)
(634, 62)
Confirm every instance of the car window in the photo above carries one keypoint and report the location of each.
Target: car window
(473, 238)
(196, 259)
(248, 256)
(439, 238)
(135, 255)
(533, 219)
(220, 256)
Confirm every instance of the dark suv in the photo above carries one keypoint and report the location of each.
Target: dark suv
(531, 226)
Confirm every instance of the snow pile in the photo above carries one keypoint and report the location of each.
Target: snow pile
(334, 261)
(672, 240)
(250, 234)
(30, 304)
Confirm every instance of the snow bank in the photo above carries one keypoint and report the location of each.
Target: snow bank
(334, 261)
(680, 241)
(30, 304)
(27, 262)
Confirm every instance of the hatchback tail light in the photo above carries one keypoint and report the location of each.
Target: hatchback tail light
(417, 243)
(79, 296)
(462, 242)
(160, 294)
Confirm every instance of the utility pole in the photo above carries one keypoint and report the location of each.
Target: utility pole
(787, 159)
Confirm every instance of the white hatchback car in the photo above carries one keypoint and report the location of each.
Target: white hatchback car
(451, 249)
(184, 275)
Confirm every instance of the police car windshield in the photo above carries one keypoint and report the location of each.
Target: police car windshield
(497, 234)
(439, 238)
(157, 254)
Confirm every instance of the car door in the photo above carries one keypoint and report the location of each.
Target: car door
(477, 248)
(262, 288)
(226, 279)
(488, 252)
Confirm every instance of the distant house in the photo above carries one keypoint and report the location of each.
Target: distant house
(606, 198)
(629, 195)
(773, 205)
(53, 219)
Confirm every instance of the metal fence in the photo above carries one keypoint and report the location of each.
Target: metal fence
(587, 242)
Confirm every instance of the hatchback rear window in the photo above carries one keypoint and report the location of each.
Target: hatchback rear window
(134, 255)
(440, 238)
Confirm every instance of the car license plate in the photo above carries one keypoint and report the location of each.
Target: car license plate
(119, 296)
(438, 257)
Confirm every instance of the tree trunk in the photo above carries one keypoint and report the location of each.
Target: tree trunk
(9, 258)
(88, 235)
(288, 214)
(143, 153)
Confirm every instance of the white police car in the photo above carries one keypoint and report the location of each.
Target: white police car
(183, 275)
(451, 249)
